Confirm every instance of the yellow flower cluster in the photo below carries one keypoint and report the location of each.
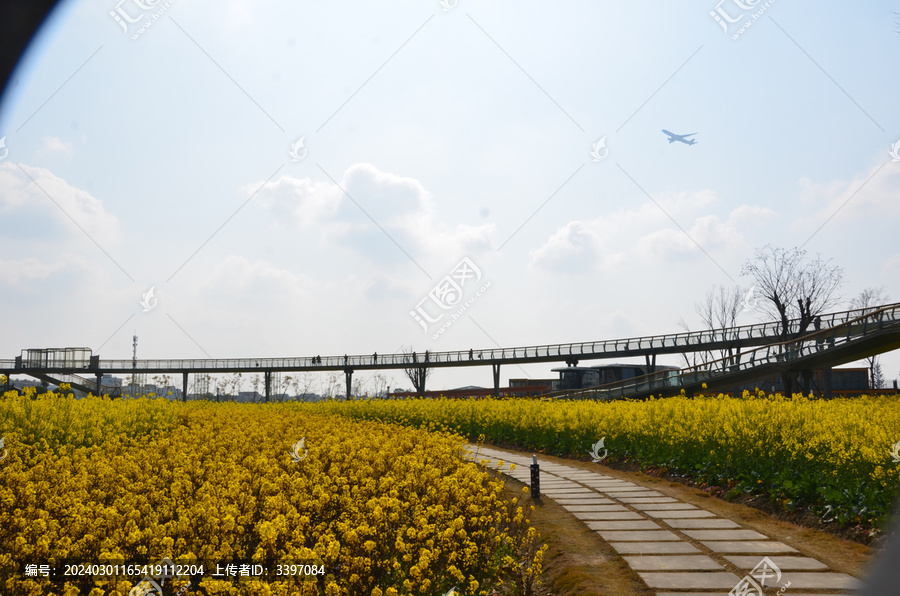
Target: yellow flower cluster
(381, 509)
(826, 455)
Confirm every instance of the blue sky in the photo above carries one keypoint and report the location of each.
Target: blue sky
(160, 158)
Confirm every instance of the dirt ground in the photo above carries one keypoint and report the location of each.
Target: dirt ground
(579, 562)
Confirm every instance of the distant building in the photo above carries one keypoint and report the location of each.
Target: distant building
(843, 380)
(583, 377)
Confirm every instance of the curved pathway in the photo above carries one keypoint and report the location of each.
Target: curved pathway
(676, 548)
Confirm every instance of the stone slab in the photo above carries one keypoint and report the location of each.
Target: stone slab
(653, 548)
(830, 580)
(681, 513)
(567, 489)
(689, 580)
(606, 515)
(725, 535)
(588, 508)
(642, 524)
(672, 563)
(631, 494)
(715, 523)
(784, 563)
(638, 536)
(551, 489)
(663, 506)
(763, 547)
(593, 501)
(637, 500)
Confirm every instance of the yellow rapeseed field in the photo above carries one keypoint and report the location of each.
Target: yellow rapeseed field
(375, 508)
(833, 457)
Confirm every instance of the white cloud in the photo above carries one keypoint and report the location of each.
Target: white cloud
(14, 272)
(44, 196)
(873, 193)
(381, 216)
(51, 145)
(646, 234)
(577, 247)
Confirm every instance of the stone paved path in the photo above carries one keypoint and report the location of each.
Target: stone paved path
(678, 549)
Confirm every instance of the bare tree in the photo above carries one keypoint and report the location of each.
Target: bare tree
(871, 298)
(379, 385)
(236, 382)
(358, 386)
(164, 381)
(307, 383)
(793, 287)
(254, 384)
(719, 311)
(416, 371)
(690, 358)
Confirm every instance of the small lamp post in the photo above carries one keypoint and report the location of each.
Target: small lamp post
(535, 478)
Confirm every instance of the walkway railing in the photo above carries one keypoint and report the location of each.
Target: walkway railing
(820, 342)
(702, 341)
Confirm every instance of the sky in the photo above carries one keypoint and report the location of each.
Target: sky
(301, 178)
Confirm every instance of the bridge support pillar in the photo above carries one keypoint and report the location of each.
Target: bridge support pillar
(268, 375)
(184, 377)
(495, 368)
(826, 383)
(99, 384)
(348, 373)
(651, 364)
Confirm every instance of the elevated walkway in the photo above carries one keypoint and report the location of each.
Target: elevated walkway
(874, 332)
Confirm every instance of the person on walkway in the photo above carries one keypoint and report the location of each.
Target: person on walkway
(471, 357)
(426, 355)
(375, 358)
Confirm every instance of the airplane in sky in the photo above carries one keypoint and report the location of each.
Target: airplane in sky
(683, 138)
